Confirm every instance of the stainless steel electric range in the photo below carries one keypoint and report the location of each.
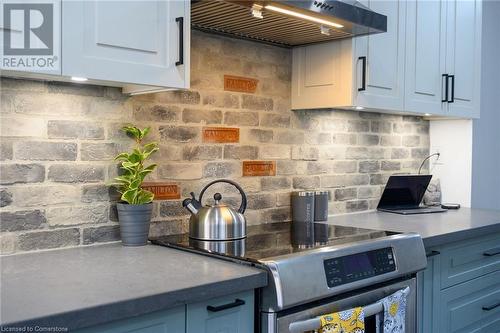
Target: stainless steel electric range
(318, 268)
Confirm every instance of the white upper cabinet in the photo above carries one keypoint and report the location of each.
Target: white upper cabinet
(425, 56)
(463, 56)
(382, 57)
(141, 46)
(443, 57)
(363, 72)
(428, 62)
(137, 42)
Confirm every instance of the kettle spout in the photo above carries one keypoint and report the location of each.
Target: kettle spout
(188, 204)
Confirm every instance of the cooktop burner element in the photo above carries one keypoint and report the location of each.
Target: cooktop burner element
(276, 239)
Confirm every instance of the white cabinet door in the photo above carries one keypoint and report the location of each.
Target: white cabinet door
(137, 42)
(463, 56)
(425, 56)
(385, 52)
(322, 75)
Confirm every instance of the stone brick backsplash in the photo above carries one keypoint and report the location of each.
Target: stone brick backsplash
(58, 141)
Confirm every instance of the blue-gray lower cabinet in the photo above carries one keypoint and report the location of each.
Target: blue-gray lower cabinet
(464, 261)
(228, 314)
(428, 296)
(459, 291)
(470, 306)
(168, 321)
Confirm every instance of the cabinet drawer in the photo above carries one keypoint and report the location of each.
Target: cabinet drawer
(228, 314)
(168, 321)
(491, 323)
(469, 307)
(463, 261)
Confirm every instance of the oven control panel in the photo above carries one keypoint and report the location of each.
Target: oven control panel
(359, 266)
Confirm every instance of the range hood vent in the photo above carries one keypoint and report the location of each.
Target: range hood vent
(286, 23)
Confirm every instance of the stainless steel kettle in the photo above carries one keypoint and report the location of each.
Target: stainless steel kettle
(217, 222)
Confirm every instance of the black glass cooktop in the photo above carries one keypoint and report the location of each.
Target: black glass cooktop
(275, 239)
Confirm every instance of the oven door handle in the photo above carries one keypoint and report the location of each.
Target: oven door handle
(315, 323)
(305, 325)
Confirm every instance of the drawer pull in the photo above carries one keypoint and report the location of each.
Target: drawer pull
(432, 254)
(491, 307)
(237, 302)
(492, 252)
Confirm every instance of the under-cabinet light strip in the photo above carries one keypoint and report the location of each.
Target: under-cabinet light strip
(303, 16)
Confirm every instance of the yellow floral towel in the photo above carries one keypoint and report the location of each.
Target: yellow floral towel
(348, 321)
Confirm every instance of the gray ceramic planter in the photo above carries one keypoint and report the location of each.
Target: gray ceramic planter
(134, 223)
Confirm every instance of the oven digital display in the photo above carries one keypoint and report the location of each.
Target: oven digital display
(359, 266)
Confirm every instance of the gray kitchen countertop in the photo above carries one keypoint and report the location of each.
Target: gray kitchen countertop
(86, 286)
(436, 229)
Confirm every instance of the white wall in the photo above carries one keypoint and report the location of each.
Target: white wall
(453, 139)
(486, 149)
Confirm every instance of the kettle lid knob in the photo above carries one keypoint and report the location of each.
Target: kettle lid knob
(217, 198)
(243, 205)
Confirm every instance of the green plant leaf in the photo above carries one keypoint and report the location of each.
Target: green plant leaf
(150, 167)
(129, 172)
(145, 132)
(130, 196)
(123, 179)
(136, 156)
(122, 156)
(144, 197)
(146, 171)
(135, 183)
(130, 165)
(150, 146)
(132, 131)
(147, 154)
(126, 172)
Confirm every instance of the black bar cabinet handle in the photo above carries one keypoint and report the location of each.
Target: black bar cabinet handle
(180, 20)
(432, 254)
(492, 252)
(363, 74)
(445, 99)
(237, 302)
(491, 307)
(452, 88)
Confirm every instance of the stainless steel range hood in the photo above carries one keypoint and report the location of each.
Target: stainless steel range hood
(286, 23)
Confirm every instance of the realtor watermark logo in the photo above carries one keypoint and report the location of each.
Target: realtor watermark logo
(29, 36)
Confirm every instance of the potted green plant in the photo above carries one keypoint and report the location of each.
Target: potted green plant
(136, 206)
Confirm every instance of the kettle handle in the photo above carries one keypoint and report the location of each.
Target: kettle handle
(243, 206)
